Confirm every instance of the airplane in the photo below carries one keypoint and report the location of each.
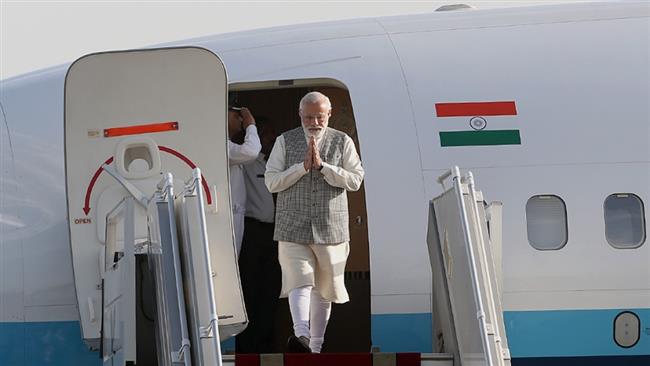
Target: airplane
(548, 106)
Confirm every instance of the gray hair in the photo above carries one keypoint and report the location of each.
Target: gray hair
(315, 98)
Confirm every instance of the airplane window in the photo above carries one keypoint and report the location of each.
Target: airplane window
(546, 222)
(624, 221)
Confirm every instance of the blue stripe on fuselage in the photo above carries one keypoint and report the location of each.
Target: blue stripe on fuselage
(558, 338)
(568, 333)
(583, 361)
(44, 343)
(531, 334)
(402, 332)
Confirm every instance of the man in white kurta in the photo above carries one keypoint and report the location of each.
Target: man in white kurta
(240, 119)
(259, 269)
(311, 168)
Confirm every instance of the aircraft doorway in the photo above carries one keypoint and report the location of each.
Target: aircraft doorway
(277, 102)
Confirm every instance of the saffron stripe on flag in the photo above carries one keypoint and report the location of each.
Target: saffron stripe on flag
(476, 109)
(480, 138)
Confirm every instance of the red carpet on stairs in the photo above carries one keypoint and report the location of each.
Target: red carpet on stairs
(324, 359)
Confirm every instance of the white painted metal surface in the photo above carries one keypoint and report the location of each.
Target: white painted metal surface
(468, 312)
(118, 286)
(172, 335)
(141, 88)
(198, 273)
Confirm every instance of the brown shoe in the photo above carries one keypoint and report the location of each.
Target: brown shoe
(298, 344)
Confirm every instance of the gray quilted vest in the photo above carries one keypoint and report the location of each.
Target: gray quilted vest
(312, 211)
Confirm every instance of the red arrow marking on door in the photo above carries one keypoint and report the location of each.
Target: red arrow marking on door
(92, 184)
(187, 161)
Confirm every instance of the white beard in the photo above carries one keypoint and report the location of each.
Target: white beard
(316, 135)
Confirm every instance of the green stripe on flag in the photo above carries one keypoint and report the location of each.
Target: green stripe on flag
(480, 138)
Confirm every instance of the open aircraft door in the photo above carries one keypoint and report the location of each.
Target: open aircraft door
(467, 311)
(137, 124)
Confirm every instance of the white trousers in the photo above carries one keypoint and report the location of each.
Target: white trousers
(310, 313)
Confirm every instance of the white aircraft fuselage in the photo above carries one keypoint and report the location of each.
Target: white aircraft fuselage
(543, 101)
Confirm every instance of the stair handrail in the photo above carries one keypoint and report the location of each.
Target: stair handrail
(165, 193)
(469, 178)
(480, 308)
(211, 330)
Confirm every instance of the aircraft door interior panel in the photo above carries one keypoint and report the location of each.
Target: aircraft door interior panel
(129, 118)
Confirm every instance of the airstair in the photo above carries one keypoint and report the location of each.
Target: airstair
(151, 228)
(464, 240)
(169, 243)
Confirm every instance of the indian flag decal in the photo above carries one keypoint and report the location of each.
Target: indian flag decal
(475, 114)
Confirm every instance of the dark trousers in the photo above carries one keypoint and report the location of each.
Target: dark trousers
(261, 283)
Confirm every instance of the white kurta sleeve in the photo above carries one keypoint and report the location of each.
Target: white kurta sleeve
(350, 175)
(277, 176)
(248, 151)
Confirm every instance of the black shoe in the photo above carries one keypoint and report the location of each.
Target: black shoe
(298, 344)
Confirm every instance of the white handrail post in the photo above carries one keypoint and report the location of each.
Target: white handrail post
(183, 354)
(214, 319)
(480, 311)
(488, 282)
